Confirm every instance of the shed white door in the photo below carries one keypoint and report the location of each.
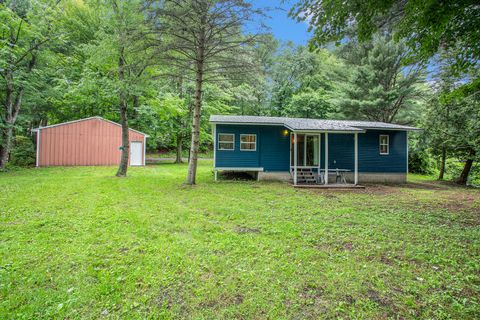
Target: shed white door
(136, 151)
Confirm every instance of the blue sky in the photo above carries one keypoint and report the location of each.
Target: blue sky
(283, 27)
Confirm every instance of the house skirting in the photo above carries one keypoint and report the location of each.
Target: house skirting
(274, 176)
(363, 177)
(374, 177)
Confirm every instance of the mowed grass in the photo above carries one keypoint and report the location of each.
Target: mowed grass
(80, 243)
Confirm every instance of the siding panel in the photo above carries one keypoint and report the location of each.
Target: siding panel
(341, 151)
(272, 152)
(275, 148)
(237, 158)
(85, 143)
(370, 159)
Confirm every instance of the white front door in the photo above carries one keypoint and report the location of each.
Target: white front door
(136, 152)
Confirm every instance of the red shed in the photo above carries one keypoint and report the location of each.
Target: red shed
(87, 142)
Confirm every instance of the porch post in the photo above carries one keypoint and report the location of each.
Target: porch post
(356, 158)
(326, 157)
(214, 130)
(295, 156)
(319, 154)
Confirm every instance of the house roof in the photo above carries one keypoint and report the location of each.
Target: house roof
(85, 119)
(303, 124)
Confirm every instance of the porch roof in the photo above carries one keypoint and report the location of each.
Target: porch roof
(303, 124)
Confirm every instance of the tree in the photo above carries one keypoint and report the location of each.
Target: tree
(378, 87)
(177, 112)
(425, 25)
(438, 129)
(258, 86)
(452, 122)
(26, 29)
(305, 83)
(205, 37)
(118, 64)
(465, 127)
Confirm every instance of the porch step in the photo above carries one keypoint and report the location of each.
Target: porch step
(306, 176)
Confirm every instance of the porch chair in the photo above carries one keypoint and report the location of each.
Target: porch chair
(320, 177)
(340, 178)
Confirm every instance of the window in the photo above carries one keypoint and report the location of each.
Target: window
(384, 144)
(226, 141)
(248, 142)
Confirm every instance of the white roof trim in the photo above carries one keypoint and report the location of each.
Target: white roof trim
(392, 129)
(297, 123)
(329, 131)
(84, 119)
(254, 124)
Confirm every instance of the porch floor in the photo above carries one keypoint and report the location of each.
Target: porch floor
(330, 186)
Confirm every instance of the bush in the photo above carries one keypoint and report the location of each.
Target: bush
(420, 161)
(23, 152)
(454, 168)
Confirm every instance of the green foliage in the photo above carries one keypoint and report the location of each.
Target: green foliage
(453, 116)
(23, 152)
(454, 168)
(305, 83)
(309, 103)
(28, 32)
(420, 158)
(426, 25)
(421, 161)
(378, 87)
(147, 247)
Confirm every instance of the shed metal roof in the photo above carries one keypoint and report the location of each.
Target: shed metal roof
(85, 119)
(303, 124)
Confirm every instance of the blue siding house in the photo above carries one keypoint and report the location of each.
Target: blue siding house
(311, 151)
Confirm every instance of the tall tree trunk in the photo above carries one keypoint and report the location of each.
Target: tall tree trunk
(443, 160)
(465, 172)
(179, 148)
(197, 109)
(6, 135)
(12, 106)
(122, 169)
(12, 109)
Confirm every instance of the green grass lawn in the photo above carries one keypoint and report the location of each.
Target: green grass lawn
(80, 243)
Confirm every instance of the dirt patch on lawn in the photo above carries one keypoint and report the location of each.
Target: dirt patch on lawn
(242, 230)
(380, 189)
(311, 291)
(171, 297)
(465, 204)
(348, 246)
(430, 185)
(222, 301)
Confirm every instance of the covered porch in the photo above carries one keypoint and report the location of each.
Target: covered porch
(311, 165)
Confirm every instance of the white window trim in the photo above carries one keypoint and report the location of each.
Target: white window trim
(248, 134)
(387, 144)
(220, 141)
